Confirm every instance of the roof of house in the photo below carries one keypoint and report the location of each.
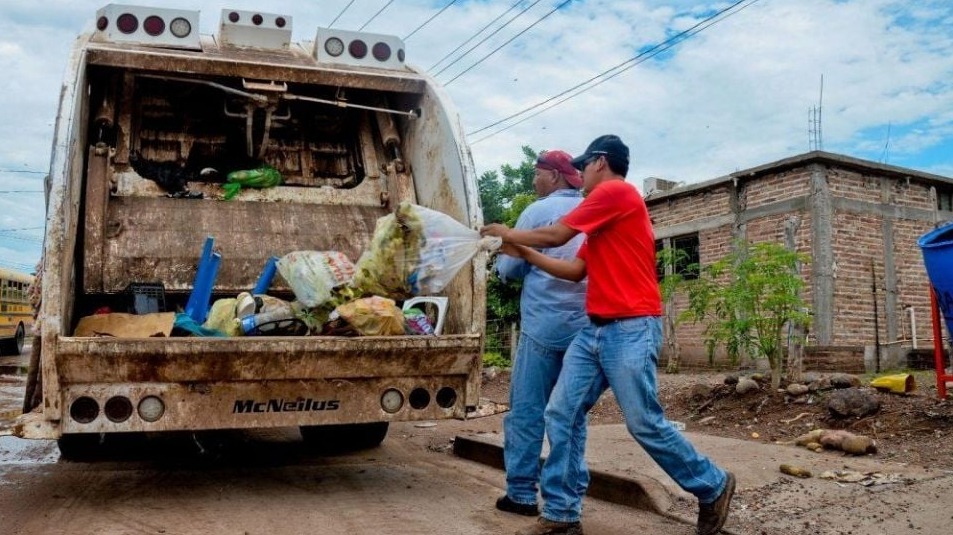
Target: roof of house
(803, 160)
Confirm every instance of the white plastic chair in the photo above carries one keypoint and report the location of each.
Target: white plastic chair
(439, 302)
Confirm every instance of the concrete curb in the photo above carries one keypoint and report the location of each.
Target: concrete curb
(636, 491)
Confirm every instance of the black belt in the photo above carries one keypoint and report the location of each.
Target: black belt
(596, 320)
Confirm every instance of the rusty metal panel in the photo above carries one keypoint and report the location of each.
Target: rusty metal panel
(89, 360)
(295, 65)
(159, 239)
(242, 405)
(97, 196)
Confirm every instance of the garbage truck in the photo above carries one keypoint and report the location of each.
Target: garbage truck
(152, 117)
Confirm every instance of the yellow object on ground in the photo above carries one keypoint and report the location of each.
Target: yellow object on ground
(900, 383)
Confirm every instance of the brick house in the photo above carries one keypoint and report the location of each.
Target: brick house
(857, 220)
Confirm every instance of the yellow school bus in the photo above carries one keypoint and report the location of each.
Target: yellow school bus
(16, 315)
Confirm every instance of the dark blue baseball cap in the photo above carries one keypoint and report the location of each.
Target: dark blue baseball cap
(609, 146)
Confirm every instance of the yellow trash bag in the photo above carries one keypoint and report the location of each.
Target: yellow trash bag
(373, 316)
(900, 383)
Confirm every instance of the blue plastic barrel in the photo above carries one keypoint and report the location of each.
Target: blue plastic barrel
(937, 247)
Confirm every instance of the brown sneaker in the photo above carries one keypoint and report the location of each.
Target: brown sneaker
(712, 516)
(508, 505)
(545, 526)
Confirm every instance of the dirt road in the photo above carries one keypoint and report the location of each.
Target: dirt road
(263, 483)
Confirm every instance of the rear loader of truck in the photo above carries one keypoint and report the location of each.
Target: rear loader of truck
(151, 118)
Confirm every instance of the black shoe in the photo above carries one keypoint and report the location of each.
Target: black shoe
(545, 526)
(508, 505)
(712, 516)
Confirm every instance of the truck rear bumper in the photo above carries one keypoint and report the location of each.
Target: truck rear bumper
(258, 382)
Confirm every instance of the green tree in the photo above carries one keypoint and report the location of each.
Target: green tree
(672, 263)
(503, 197)
(747, 299)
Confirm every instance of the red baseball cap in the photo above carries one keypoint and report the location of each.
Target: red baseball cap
(557, 160)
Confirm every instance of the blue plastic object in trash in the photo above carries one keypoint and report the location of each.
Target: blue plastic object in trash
(199, 300)
(267, 275)
(937, 248)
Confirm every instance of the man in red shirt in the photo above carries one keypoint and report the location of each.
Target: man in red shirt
(619, 347)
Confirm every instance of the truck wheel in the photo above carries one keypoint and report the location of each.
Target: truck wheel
(344, 438)
(14, 346)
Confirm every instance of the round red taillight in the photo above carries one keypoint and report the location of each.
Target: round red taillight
(400, 55)
(280, 22)
(357, 48)
(257, 19)
(153, 25)
(102, 23)
(381, 51)
(127, 23)
(233, 16)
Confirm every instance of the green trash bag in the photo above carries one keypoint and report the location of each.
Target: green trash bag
(260, 178)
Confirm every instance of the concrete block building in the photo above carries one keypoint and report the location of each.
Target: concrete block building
(858, 221)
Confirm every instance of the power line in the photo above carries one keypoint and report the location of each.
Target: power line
(29, 171)
(381, 10)
(494, 32)
(426, 22)
(341, 13)
(497, 49)
(18, 265)
(472, 37)
(620, 68)
(23, 228)
(21, 191)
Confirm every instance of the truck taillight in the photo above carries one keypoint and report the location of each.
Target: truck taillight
(151, 408)
(363, 49)
(381, 52)
(180, 27)
(147, 26)
(153, 25)
(84, 409)
(357, 48)
(254, 29)
(118, 409)
(127, 23)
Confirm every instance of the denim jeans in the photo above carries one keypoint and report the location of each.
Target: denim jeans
(622, 355)
(534, 373)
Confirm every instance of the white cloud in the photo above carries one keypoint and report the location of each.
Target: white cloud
(734, 96)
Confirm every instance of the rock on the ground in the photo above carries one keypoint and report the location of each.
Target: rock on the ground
(844, 380)
(797, 389)
(731, 379)
(746, 385)
(699, 392)
(853, 402)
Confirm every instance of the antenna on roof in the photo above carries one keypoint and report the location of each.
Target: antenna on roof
(815, 139)
(885, 154)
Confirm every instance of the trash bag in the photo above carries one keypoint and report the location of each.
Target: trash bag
(222, 318)
(313, 275)
(416, 251)
(262, 177)
(373, 316)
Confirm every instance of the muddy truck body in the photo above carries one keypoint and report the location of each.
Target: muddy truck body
(353, 131)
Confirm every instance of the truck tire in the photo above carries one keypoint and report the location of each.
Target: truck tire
(14, 346)
(345, 437)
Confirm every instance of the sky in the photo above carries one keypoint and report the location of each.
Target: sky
(725, 96)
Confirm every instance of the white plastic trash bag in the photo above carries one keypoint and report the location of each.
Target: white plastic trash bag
(416, 251)
(313, 275)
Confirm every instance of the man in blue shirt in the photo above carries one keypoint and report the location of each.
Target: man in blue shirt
(552, 310)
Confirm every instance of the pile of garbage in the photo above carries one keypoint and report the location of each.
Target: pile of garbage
(415, 251)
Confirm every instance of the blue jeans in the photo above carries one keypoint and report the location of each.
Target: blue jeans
(623, 356)
(534, 373)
